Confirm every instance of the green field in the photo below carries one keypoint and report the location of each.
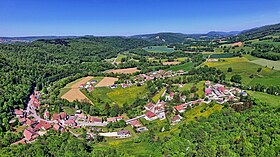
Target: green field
(266, 98)
(242, 66)
(158, 49)
(268, 63)
(158, 95)
(186, 67)
(102, 95)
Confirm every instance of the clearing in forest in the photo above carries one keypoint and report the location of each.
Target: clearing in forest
(123, 71)
(107, 81)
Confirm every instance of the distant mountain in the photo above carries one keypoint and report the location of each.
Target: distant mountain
(180, 37)
(31, 38)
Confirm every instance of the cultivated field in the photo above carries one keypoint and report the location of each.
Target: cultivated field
(123, 71)
(107, 81)
(170, 63)
(72, 91)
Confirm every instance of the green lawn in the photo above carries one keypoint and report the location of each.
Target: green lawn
(186, 67)
(158, 49)
(158, 95)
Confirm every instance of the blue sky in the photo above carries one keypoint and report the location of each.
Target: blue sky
(127, 17)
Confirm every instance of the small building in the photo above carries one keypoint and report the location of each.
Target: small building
(176, 119)
(27, 134)
(150, 106)
(135, 123)
(56, 116)
(94, 119)
(150, 116)
(111, 120)
(180, 108)
(63, 115)
(18, 112)
(123, 133)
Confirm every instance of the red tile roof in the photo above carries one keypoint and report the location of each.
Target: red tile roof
(45, 125)
(150, 114)
(18, 112)
(135, 123)
(149, 106)
(180, 107)
(56, 127)
(56, 116)
(175, 118)
(63, 115)
(27, 134)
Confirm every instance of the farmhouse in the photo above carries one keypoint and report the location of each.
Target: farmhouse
(135, 123)
(123, 133)
(176, 119)
(150, 116)
(94, 119)
(180, 108)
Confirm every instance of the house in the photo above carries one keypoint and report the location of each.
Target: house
(30, 122)
(94, 119)
(56, 116)
(46, 115)
(21, 120)
(18, 112)
(45, 125)
(150, 106)
(135, 123)
(207, 83)
(63, 115)
(180, 108)
(111, 120)
(81, 85)
(27, 134)
(161, 115)
(72, 118)
(70, 123)
(124, 85)
(56, 127)
(150, 116)
(208, 91)
(176, 119)
(123, 133)
(170, 96)
(119, 118)
(91, 88)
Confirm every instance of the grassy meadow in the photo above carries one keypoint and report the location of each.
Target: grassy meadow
(158, 49)
(186, 67)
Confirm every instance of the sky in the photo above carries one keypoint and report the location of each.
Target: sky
(130, 17)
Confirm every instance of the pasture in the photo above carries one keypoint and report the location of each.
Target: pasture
(268, 63)
(158, 49)
(119, 58)
(123, 71)
(265, 98)
(186, 67)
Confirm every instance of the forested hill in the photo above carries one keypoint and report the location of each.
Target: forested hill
(258, 32)
(24, 66)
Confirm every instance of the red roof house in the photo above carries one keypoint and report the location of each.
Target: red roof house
(150, 116)
(176, 119)
(180, 108)
(135, 123)
(56, 116)
(63, 115)
(27, 134)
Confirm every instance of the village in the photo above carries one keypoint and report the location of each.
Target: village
(38, 126)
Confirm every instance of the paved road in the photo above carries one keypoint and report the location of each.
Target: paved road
(91, 124)
(138, 117)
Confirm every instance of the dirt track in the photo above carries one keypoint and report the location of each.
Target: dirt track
(106, 81)
(123, 71)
